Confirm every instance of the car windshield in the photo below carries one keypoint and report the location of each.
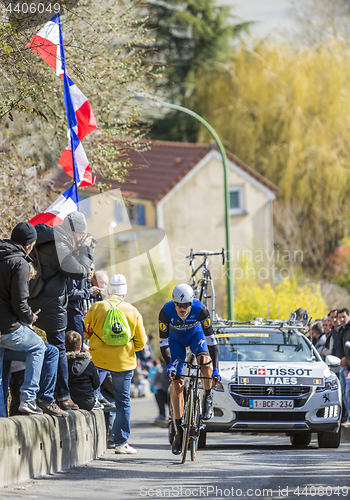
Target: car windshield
(264, 345)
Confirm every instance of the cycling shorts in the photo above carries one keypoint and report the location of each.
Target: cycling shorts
(178, 342)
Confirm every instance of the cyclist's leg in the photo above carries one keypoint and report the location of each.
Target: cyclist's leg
(177, 350)
(199, 348)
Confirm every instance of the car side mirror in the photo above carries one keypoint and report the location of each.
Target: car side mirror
(332, 361)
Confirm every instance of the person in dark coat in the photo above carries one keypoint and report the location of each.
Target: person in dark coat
(83, 376)
(64, 252)
(16, 316)
(77, 295)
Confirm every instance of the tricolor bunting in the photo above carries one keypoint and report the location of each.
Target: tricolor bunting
(83, 175)
(47, 44)
(64, 205)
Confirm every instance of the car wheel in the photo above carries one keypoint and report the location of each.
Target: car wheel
(202, 440)
(300, 438)
(328, 439)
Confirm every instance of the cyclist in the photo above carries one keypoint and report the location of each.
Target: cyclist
(185, 322)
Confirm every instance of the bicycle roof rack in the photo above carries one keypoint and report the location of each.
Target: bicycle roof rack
(273, 324)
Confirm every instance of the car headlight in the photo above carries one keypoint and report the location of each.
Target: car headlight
(330, 383)
(219, 387)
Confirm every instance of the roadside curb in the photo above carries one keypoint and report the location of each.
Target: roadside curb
(32, 446)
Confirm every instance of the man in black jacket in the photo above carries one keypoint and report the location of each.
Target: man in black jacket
(16, 316)
(64, 252)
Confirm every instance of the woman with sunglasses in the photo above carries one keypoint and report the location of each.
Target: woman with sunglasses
(185, 322)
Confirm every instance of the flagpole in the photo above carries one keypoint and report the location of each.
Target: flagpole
(71, 120)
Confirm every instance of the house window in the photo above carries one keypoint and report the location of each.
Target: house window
(141, 215)
(237, 200)
(132, 213)
(137, 214)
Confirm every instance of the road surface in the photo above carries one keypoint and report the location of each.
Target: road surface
(232, 466)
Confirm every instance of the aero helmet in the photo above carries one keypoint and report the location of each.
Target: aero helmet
(183, 294)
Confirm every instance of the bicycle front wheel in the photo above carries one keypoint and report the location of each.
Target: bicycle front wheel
(196, 421)
(187, 425)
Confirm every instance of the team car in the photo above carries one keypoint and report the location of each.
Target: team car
(274, 381)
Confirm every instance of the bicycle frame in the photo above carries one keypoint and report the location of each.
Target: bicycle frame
(200, 287)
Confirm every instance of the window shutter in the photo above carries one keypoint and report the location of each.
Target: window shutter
(141, 215)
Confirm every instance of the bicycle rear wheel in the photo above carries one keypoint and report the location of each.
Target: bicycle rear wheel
(187, 425)
(196, 421)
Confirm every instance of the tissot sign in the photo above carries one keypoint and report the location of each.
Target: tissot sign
(280, 375)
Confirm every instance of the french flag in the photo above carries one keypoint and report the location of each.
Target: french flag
(64, 205)
(47, 44)
(82, 175)
(83, 111)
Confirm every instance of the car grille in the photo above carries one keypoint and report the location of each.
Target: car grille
(262, 391)
(270, 416)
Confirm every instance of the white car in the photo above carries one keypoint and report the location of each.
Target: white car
(273, 380)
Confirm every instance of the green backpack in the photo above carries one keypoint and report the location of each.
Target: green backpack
(116, 330)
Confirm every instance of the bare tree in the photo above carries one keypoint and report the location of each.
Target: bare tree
(320, 20)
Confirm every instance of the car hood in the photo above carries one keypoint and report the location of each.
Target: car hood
(285, 374)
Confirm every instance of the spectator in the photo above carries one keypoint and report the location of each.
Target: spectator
(45, 397)
(160, 383)
(64, 252)
(146, 356)
(100, 279)
(336, 334)
(139, 380)
(83, 376)
(318, 336)
(16, 381)
(107, 391)
(346, 343)
(15, 314)
(77, 294)
(119, 360)
(88, 284)
(301, 314)
(327, 327)
(338, 350)
(344, 319)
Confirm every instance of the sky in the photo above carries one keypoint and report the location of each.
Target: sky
(272, 15)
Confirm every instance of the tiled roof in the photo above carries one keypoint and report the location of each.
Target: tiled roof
(157, 170)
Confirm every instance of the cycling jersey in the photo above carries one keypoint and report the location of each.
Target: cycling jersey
(194, 331)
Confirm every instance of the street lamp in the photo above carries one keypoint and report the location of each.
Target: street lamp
(159, 104)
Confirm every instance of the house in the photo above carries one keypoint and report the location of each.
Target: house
(176, 192)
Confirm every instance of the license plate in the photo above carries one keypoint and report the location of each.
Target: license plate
(272, 404)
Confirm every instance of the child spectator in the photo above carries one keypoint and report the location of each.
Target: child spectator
(82, 374)
(159, 386)
(139, 380)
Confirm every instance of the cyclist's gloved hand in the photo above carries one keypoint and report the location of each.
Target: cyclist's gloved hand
(171, 372)
(216, 374)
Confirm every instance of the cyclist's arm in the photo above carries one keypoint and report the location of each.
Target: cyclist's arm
(204, 318)
(164, 337)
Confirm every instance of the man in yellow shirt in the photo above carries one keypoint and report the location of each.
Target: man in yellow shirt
(119, 360)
